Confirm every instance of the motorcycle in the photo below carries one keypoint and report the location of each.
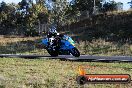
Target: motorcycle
(64, 46)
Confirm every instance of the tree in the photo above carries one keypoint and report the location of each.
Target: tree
(88, 5)
(22, 14)
(41, 12)
(58, 10)
(130, 3)
(7, 17)
(23, 17)
(109, 6)
(2, 6)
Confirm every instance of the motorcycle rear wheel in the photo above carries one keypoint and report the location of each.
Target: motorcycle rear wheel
(53, 53)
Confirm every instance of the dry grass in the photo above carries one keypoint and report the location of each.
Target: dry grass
(47, 73)
(4, 41)
(119, 12)
(95, 47)
(25, 45)
(103, 47)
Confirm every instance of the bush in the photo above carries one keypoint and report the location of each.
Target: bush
(31, 33)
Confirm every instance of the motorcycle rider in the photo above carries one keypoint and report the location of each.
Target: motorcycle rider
(52, 33)
(59, 44)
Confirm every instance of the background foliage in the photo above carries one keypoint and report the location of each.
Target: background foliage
(26, 17)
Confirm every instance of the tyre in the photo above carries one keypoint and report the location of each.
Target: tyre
(64, 52)
(53, 53)
(74, 51)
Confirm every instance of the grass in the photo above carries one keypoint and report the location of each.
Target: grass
(55, 73)
(95, 47)
(103, 47)
(20, 45)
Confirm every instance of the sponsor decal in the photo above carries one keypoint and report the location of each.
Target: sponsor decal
(101, 78)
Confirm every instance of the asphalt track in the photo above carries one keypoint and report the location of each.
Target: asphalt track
(70, 57)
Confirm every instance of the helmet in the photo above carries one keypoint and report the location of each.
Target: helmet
(52, 32)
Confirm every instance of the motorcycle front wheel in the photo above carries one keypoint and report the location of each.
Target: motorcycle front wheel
(75, 52)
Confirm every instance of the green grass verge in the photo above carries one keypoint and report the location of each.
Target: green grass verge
(54, 73)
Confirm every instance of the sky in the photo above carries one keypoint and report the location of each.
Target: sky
(125, 5)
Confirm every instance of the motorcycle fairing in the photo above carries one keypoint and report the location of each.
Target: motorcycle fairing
(65, 37)
(45, 41)
(66, 45)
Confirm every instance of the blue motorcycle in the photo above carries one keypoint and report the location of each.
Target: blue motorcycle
(63, 46)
